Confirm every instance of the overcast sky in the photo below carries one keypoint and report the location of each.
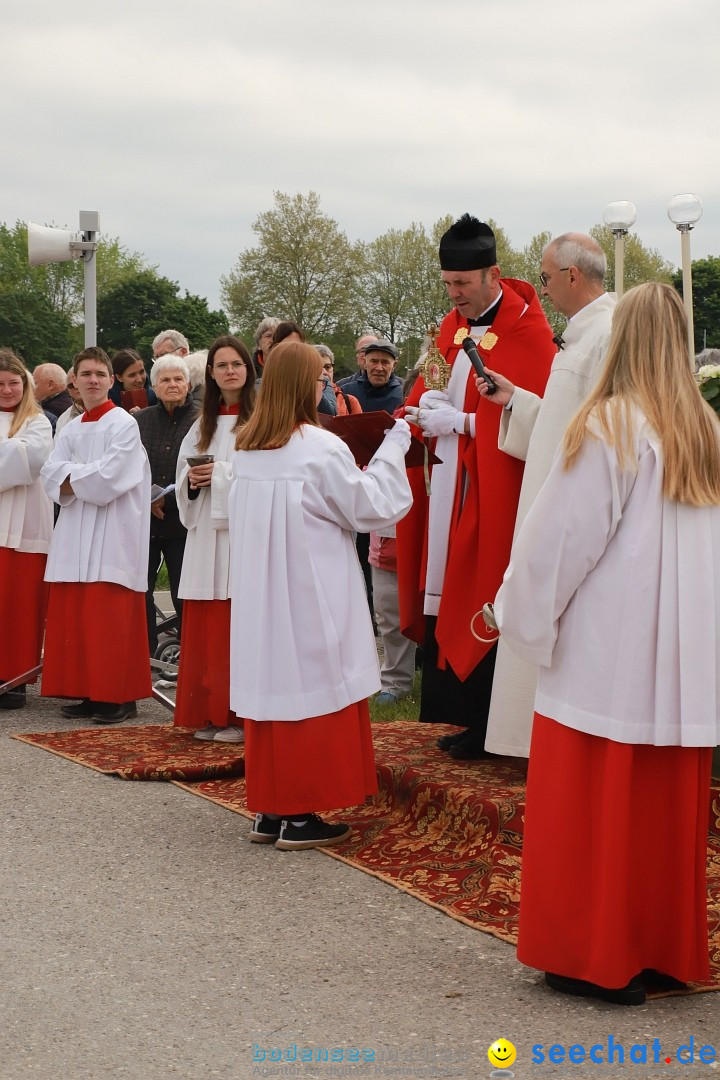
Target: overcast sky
(177, 121)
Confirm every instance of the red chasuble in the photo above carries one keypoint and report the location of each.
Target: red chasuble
(487, 484)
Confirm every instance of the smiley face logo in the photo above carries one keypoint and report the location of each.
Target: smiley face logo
(501, 1054)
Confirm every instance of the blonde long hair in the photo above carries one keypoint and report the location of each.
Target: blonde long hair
(287, 397)
(647, 366)
(27, 405)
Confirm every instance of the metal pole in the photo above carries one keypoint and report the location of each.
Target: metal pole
(619, 261)
(90, 295)
(90, 225)
(687, 289)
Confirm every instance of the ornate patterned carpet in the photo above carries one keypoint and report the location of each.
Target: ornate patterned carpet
(448, 833)
(146, 752)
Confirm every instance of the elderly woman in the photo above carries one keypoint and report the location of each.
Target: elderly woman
(26, 522)
(162, 430)
(302, 652)
(263, 341)
(613, 589)
(203, 690)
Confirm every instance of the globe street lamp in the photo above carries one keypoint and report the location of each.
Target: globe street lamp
(684, 211)
(619, 217)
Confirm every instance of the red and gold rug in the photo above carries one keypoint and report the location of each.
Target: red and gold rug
(146, 752)
(446, 832)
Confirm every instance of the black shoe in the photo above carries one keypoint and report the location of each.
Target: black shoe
(446, 741)
(265, 829)
(470, 748)
(632, 994)
(657, 981)
(314, 833)
(107, 712)
(15, 698)
(81, 711)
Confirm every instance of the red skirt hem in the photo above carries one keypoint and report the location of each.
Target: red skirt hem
(203, 686)
(305, 766)
(614, 858)
(96, 643)
(22, 582)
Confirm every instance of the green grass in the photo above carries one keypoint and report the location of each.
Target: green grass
(407, 709)
(163, 582)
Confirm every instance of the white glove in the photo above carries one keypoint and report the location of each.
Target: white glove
(442, 419)
(399, 433)
(435, 399)
(431, 399)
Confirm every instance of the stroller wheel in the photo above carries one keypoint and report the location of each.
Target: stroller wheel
(169, 651)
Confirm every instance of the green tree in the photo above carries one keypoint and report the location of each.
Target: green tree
(397, 266)
(303, 268)
(32, 328)
(42, 307)
(134, 311)
(706, 301)
(640, 263)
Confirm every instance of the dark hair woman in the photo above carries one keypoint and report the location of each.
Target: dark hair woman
(202, 700)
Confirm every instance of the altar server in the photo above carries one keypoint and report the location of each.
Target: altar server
(302, 651)
(96, 641)
(203, 690)
(26, 522)
(613, 590)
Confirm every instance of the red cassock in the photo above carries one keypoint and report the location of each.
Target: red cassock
(203, 687)
(487, 485)
(21, 582)
(96, 643)
(614, 858)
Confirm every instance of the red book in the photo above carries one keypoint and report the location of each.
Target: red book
(133, 399)
(363, 433)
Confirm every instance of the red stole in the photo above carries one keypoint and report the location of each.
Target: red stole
(482, 524)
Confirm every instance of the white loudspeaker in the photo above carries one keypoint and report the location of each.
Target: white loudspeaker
(47, 245)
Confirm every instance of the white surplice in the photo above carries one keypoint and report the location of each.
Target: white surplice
(206, 561)
(614, 592)
(302, 642)
(26, 515)
(532, 431)
(103, 531)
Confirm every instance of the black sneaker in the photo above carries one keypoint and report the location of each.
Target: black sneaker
(265, 829)
(314, 833)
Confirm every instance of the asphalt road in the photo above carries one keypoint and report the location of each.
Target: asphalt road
(142, 936)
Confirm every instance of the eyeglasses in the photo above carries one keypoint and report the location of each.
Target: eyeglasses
(235, 365)
(545, 278)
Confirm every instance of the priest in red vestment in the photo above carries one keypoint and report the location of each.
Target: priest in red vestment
(454, 546)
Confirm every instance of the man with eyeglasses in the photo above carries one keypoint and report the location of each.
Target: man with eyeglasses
(454, 546)
(572, 275)
(170, 342)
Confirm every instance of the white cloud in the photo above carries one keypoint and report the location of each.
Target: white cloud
(177, 121)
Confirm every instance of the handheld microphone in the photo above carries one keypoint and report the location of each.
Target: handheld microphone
(474, 357)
